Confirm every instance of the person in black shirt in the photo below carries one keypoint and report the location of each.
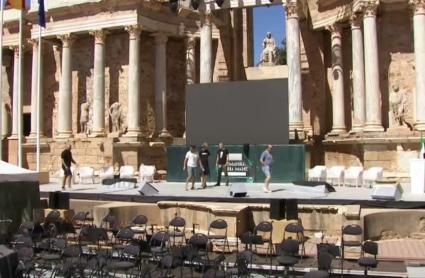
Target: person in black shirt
(66, 157)
(204, 154)
(221, 163)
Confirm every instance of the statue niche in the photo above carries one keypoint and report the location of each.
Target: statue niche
(398, 101)
(84, 117)
(116, 114)
(269, 54)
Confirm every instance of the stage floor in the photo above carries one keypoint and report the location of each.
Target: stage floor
(176, 192)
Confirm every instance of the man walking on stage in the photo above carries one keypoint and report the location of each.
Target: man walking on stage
(266, 160)
(221, 163)
(191, 162)
(66, 157)
(204, 154)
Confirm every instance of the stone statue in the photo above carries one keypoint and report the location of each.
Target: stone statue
(269, 55)
(398, 106)
(115, 114)
(84, 117)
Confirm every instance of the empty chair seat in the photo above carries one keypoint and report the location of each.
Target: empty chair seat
(86, 173)
(371, 175)
(127, 172)
(317, 173)
(354, 176)
(335, 175)
(146, 173)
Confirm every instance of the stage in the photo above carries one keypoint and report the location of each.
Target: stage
(174, 191)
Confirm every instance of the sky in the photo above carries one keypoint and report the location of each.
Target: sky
(267, 19)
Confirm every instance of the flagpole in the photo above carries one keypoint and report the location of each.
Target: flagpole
(20, 83)
(1, 79)
(40, 44)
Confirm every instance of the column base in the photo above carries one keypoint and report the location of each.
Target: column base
(13, 137)
(296, 126)
(97, 133)
(420, 126)
(64, 135)
(32, 138)
(357, 129)
(338, 130)
(373, 128)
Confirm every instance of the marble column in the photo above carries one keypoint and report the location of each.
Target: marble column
(34, 89)
(236, 42)
(338, 111)
(98, 129)
(161, 85)
(133, 110)
(190, 60)
(65, 89)
(373, 93)
(15, 117)
(206, 74)
(359, 110)
(419, 37)
(294, 66)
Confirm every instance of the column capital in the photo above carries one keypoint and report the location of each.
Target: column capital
(15, 49)
(335, 29)
(292, 9)
(369, 7)
(67, 40)
(99, 36)
(33, 42)
(418, 6)
(207, 18)
(356, 20)
(134, 31)
(160, 38)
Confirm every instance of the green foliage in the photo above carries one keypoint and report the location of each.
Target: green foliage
(281, 54)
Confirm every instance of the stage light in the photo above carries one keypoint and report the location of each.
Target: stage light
(194, 4)
(174, 5)
(219, 2)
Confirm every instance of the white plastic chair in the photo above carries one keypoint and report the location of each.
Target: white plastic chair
(354, 176)
(106, 173)
(335, 175)
(146, 173)
(127, 172)
(371, 175)
(317, 173)
(86, 173)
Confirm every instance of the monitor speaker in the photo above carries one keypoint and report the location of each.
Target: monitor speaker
(238, 190)
(277, 209)
(388, 192)
(58, 200)
(291, 209)
(148, 189)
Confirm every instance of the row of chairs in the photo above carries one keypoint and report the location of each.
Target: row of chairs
(339, 175)
(87, 174)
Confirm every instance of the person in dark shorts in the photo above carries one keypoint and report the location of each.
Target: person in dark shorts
(66, 157)
(221, 163)
(204, 154)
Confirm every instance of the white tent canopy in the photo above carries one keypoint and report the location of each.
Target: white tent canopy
(9, 172)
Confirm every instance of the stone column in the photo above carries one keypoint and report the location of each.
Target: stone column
(133, 110)
(419, 37)
(161, 85)
(236, 42)
(294, 66)
(359, 110)
(206, 73)
(373, 92)
(15, 117)
(98, 129)
(338, 113)
(190, 60)
(65, 89)
(34, 89)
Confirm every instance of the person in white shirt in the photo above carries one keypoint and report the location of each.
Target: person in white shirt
(191, 163)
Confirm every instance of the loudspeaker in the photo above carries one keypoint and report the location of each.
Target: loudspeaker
(386, 192)
(8, 262)
(277, 209)
(238, 190)
(291, 209)
(58, 200)
(148, 189)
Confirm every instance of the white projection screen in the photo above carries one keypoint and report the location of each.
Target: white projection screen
(243, 112)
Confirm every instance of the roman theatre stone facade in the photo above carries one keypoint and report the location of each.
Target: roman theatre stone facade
(355, 69)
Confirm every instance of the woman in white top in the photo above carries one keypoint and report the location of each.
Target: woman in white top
(191, 163)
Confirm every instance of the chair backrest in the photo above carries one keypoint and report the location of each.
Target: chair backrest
(147, 170)
(336, 170)
(319, 168)
(160, 238)
(80, 216)
(108, 170)
(264, 226)
(53, 216)
(352, 229)
(294, 228)
(86, 171)
(178, 222)
(374, 173)
(140, 220)
(218, 224)
(198, 241)
(131, 250)
(288, 247)
(125, 234)
(324, 261)
(354, 169)
(73, 251)
(370, 247)
(127, 170)
(109, 221)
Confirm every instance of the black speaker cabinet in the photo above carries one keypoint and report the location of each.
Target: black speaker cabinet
(291, 209)
(277, 209)
(238, 190)
(148, 189)
(58, 200)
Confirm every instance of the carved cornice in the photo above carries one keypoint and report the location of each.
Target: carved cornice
(134, 31)
(99, 36)
(356, 20)
(67, 40)
(369, 8)
(418, 6)
(292, 9)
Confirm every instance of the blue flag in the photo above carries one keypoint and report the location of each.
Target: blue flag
(41, 14)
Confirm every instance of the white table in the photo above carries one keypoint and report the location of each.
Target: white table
(417, 176)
